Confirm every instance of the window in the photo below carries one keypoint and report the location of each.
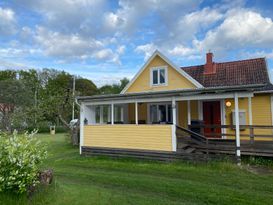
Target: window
(118, 114)
(159, 76)
(103, 114)
(160, 113)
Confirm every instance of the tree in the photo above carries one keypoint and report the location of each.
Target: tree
(14, 93)
(114, 88)
(85, 87)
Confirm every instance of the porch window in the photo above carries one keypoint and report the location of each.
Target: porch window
(103, 114)
(160, 113)
(118, 114)
(159, 76)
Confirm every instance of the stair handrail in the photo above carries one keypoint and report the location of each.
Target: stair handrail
(192, 133)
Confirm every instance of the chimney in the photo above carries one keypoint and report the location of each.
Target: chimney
(210, 67)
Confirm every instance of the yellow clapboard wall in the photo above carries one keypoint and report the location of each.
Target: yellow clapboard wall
(175, 79)
(146, 137)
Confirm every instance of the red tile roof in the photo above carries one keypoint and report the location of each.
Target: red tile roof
(243, 72)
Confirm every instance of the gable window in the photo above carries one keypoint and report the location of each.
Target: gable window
(159, 76)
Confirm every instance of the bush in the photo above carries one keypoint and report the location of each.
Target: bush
(20, 156)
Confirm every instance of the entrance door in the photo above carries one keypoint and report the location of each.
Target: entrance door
(212, 116)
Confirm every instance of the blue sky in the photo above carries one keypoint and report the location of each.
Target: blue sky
(108, 40)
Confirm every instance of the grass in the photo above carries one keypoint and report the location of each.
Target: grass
(97, 180)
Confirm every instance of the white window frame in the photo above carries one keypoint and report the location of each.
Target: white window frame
(101, 114)
(165, 68)
(157, 108)
(121, 113)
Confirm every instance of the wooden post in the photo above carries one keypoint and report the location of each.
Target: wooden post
(136, 112)
(237, 126)
(112, 113)
(189, 112)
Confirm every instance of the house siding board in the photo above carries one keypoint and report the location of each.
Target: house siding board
(145, 137)
(261, 112)
(182, 113)
(175, 79)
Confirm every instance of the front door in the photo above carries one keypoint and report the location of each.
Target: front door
(212, 116)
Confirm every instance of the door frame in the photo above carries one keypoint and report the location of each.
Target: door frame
(222, 112)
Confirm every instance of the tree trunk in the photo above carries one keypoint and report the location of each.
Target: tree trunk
(74, 131)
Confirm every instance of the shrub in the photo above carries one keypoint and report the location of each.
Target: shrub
(20, 156)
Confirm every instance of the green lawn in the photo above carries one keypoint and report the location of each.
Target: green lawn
(86, 180)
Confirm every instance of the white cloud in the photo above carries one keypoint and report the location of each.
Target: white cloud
(7, 21)
(241, 28)
(147, 49)
(72, 47)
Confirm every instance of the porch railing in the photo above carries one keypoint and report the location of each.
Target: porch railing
(247, 132)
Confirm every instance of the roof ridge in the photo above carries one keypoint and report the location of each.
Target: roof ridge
(234, 61)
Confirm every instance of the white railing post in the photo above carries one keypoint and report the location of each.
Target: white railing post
(237, 126)
(174, 140)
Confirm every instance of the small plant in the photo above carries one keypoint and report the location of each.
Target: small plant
(20, 156)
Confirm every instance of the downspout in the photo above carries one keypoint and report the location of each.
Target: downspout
(81, 125)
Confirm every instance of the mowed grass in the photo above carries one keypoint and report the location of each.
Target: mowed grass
(97, 180)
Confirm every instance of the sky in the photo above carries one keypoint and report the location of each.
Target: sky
(107, 40)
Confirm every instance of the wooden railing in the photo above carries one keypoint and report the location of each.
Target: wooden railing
(255, 146)
(247, 132)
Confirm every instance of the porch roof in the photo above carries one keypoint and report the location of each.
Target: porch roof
(172, 93)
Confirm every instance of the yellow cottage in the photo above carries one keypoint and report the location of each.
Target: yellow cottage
(167, 110)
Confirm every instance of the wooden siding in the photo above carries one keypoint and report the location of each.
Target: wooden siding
(142, 112)
(145, 137)
(261, 114)
(175, 79)
(183, 112)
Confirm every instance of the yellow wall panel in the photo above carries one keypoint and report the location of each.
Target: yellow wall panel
(146, 137)
(175, 79)
(261, 114)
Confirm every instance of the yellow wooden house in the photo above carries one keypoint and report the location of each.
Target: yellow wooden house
(218, 102)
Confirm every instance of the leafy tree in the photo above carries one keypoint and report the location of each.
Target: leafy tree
(114, 88)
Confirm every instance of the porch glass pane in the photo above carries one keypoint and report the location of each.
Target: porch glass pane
(118, 114)
(153, 113)
(97, 111)
(162, 113)
(106, 114)
(170, 114)
(162, 76)
(155, 77)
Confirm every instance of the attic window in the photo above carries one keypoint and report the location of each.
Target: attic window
(159, 76)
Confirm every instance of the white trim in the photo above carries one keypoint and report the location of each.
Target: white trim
(174, 145)
(237, 125)
(82, 111)
(158, 68)
(223, 117)
(182, 98)
(178, 69)
(250, 121)
(189, 111)
(136, 112)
